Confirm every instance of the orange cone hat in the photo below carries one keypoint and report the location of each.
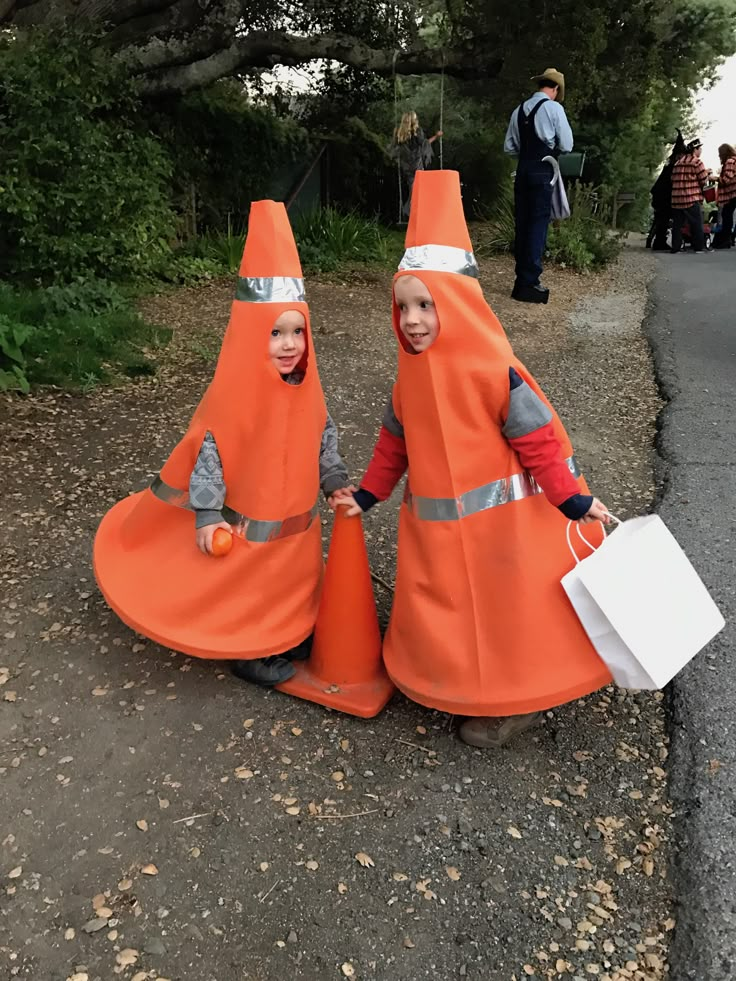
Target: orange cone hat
(480, 623)
(345, 670)
(262, 597)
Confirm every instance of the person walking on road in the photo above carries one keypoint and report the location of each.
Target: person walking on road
(726, 195)
(537, 129)
(689, 177)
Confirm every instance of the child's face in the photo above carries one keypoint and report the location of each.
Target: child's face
(417, 314)
(287, 342)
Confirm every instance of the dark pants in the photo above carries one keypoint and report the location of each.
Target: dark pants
(533, 210)
(692, 216)
(729, 208)
(660, 227)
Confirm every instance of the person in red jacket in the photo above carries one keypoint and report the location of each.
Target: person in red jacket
(480, 626)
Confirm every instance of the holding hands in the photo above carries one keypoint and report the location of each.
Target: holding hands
(343, 497)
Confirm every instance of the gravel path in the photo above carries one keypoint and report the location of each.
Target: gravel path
(161, 821)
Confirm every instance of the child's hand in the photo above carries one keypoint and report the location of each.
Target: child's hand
(204, 535)
(344, 498)
(598, 512)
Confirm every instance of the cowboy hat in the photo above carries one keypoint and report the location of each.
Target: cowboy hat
(555, 77)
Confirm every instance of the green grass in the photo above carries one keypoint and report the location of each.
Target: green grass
(73, 336)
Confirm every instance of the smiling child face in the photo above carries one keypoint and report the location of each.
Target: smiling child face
(287, 342)
(418, 319)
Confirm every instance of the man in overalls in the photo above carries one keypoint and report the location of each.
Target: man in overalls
(537, 129)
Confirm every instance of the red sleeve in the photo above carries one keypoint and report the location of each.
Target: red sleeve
(388, 465)
(540, 453)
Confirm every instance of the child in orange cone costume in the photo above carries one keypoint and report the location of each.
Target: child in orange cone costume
(480, 626)
(257, 449)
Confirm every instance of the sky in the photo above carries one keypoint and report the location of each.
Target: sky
(717, 114)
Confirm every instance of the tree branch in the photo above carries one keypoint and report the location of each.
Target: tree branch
(267, 49)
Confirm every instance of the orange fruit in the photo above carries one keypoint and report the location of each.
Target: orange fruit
(222, 542)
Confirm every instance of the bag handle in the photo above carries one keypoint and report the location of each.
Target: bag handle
(583, 539)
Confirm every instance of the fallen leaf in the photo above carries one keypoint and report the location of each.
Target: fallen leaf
(100, 691)
(365, 860)
(409, 943)
(453, 873)
(99, 900)
(648, 866)
(140, 976)
(125, 884)
(561, 860)
(142, 825)
(296, 732)
(293, 810)
(421, 730)
(342, 888)
(399, 877)
(514, 832)
(195, 852)
(16, 873)
(348, 970)
(104, 912)
(126, 957)
(70, 933)
(248, 724)
(79, 976)
(263, 866)
(10, 696)
(338, 776)
(149, 870)
(243, 773)
(312, 865)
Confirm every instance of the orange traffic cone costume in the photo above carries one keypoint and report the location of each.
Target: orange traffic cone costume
(261, 598)
(480, 624)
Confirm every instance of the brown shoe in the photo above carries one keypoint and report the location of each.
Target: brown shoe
(493, 733)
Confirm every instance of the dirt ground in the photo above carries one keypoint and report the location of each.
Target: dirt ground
(160, 820)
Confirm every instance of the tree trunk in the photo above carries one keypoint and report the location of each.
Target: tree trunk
(178, 45)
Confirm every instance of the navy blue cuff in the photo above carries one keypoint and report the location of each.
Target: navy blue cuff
(364, 499)
(577, 506)
(515, 379)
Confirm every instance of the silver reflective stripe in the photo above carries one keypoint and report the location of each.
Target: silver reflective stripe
(270, 289)
(250, 529)
(503, 491)
(440, 258)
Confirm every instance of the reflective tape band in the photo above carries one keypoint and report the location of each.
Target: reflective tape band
(250, 529)
(440, 258)
(503, 491)
(270, 289)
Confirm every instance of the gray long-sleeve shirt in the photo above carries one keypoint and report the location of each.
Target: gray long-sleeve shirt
(207, 483)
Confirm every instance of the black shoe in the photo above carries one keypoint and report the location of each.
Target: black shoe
(530, 294)
(301, 652)
(265, 671)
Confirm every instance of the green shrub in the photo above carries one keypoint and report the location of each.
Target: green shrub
(584, 241)
(329, 240)
(83, 186)
(73, 336)
(226, 153)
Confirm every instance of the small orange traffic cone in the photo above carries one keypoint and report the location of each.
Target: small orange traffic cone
(345, 670)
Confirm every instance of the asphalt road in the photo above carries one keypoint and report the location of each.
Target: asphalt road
(691, 328)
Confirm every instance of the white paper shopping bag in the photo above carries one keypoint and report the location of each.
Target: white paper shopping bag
(643, 606)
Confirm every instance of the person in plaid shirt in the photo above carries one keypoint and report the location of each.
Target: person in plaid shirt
(727, 193)
(689, 177)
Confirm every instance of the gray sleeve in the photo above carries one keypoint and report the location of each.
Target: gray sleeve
(207, 485)
(333, 473)
(527, 412)
(390, 421)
